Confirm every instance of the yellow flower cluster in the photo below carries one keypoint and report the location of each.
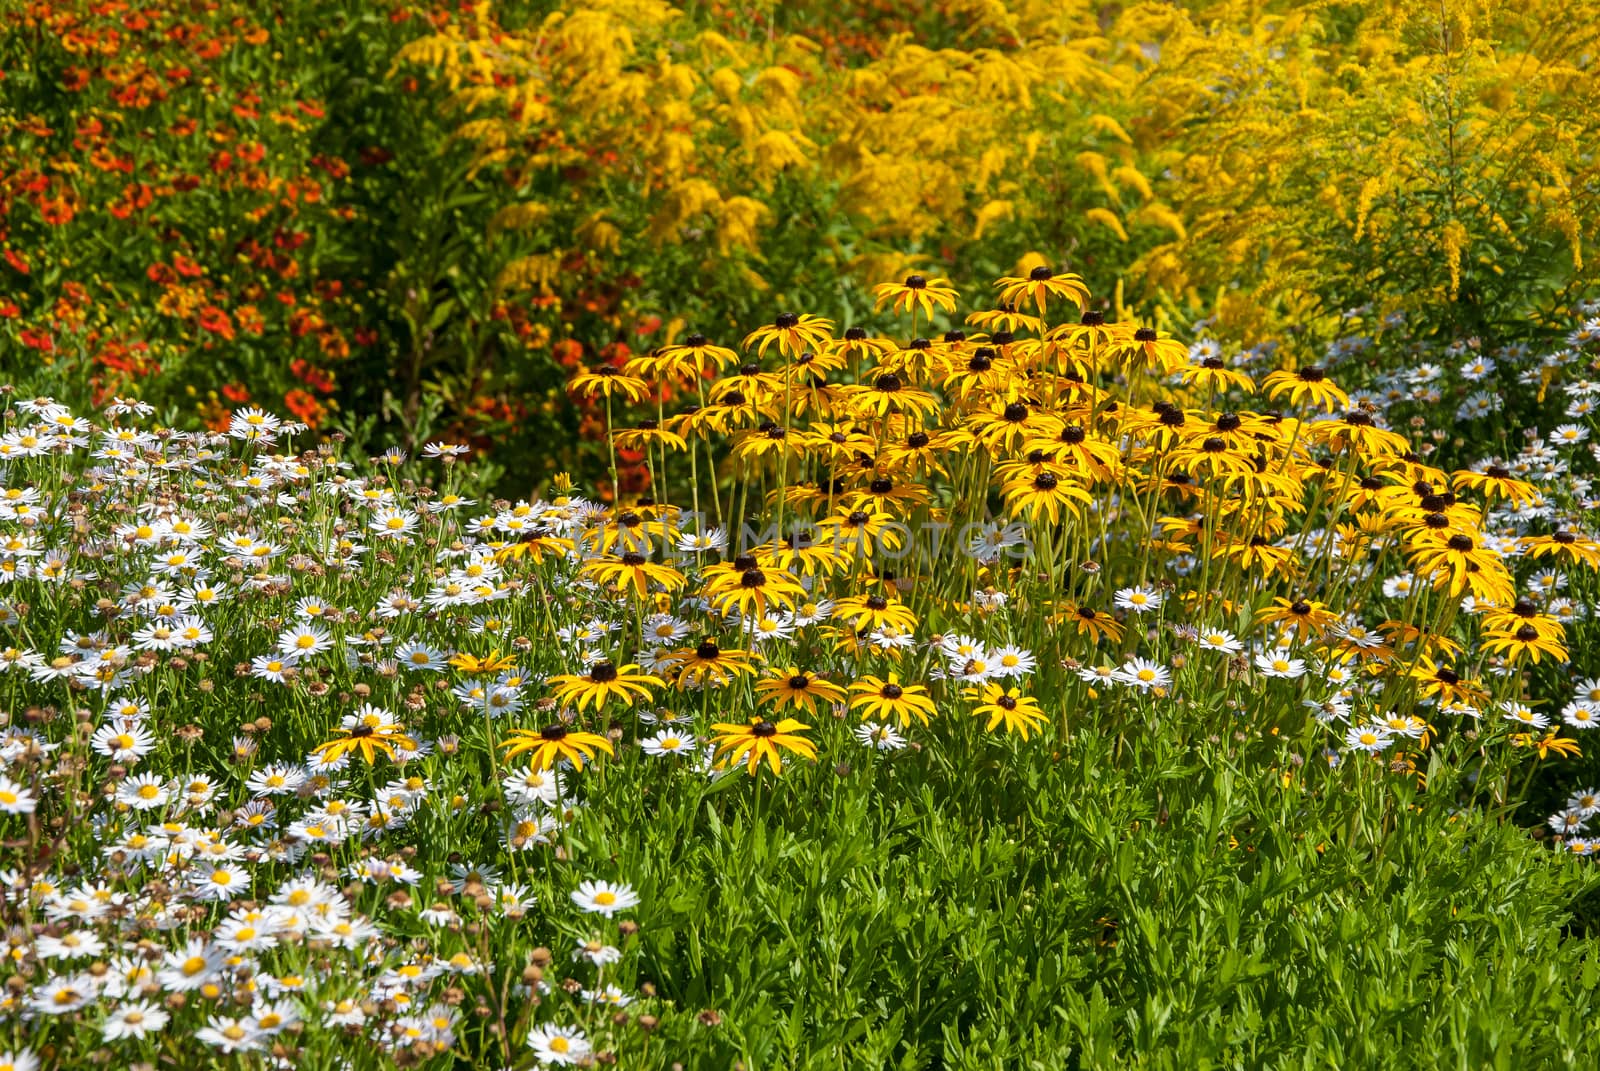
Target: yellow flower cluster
(664, 129)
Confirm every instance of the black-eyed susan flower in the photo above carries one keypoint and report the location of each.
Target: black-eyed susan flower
(1522, 612)
(761, 739)
(877, 699)
(633, 572)
(707, 663)
(1213, 374)
(1002, 425)
(790, 687)
(1564, 546)
(368, 732)
(885, 494)
(608, 382)
(486, 665)
(855, 345)
(1005, 317)
(873, 612)
(884, 393)
(1087, 621)
(1525, 643)
(1439, 682)
(1548, 743)
(1146, 349)
(917, 294)
(802, 552)
(1459, 562)
(1306, 618)
(1084, 454)
(1356, 430)
(545, 746)
(603, 682)
(694, 357)
(747, 385)
(1007, 707)
(752, 590)
(1046, 495)
(1496, 483)
(793, 334)
(862, 532)
(1041, 285)
(1309, 384)
(1211, 458)
(647, 435)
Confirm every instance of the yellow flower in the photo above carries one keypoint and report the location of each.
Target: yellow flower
(761, 739)
(607, 382)
(493, 662)
(556, 742)
(790, 687)
(1306, 384)
(917, 293)
(368, 732)
(633, 572)
(1008, 707)
(603, 682)
(881, 699)
(792, 334)
(1548, 743)
(1040, 285)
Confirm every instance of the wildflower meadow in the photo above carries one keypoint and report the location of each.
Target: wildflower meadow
(984, 534)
